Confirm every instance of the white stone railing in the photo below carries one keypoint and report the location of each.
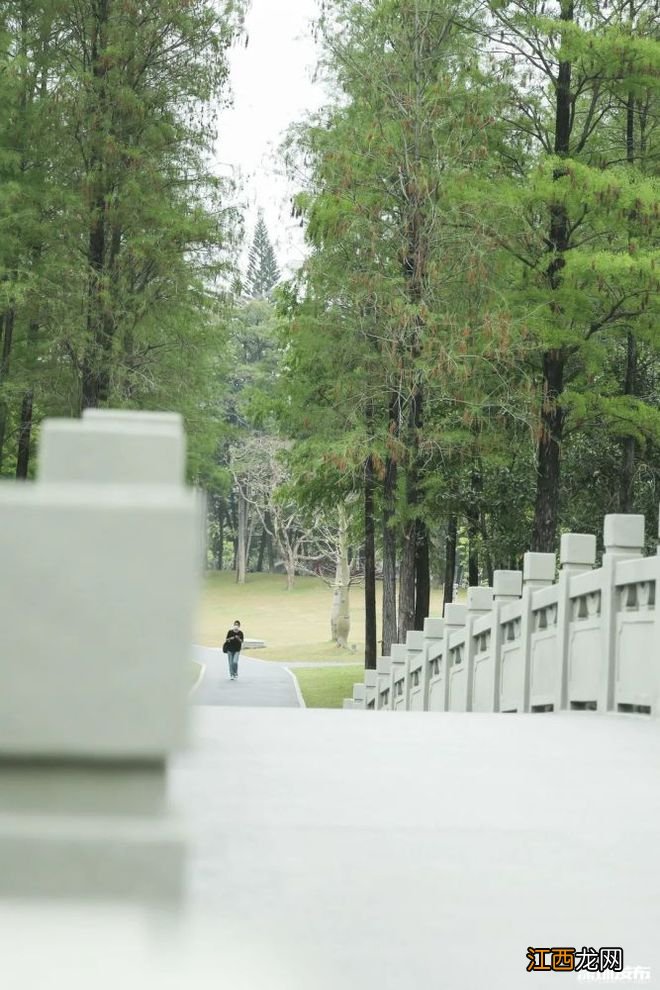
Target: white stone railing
(99, 579)
(589, 640)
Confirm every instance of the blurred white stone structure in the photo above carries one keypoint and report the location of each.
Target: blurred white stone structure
(408, 852)
(99, 570)
(588, 640)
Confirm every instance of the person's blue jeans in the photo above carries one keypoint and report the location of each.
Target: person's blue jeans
(233, 663)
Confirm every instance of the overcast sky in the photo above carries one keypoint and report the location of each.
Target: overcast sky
(271, 80)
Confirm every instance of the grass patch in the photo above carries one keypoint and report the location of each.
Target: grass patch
(295, 624)
(326, 687)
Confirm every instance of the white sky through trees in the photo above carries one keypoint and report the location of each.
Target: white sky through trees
(271, 81)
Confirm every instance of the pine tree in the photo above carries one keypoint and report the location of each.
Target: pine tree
(263, 273)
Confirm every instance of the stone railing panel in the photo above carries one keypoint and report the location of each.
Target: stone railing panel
(636, 644)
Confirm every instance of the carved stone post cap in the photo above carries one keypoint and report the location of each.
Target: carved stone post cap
(479, 599)
(539, 567)
(415, 640)
(135, 417)
(383, 665)
(370, 677)
(578, 548)
(434, 628)
(455, 614)
(398, 652)
(104, 451)
(625, 532)
(507, 584)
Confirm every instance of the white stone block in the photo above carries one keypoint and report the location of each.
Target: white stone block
(133, 416)
(623, 532)
(577, 548)
(347, 703)
(91, 857)
(98, 587)
(399, 652)
(507, 584)
(358, 692)
(370, 678)
(94, 788)
(434, 628)
(383, 666)
(455, 614)
(479, 599)
(99, 451)
(539, 567)
(415, 640)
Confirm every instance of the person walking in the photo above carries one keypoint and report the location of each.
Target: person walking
(232, 647)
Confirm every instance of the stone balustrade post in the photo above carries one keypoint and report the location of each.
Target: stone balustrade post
(97, 599)
(399, 659)
(623, 537)
(577, 554)
(479, 602)
(507, 587)
(383, 681)
(434, 630)
(455, 618)
(370, 682)
(414, 659)
(539, 570)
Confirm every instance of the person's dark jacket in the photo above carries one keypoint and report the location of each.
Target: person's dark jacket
(235, 640)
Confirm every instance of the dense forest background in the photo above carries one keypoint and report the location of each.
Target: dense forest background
(467, 363)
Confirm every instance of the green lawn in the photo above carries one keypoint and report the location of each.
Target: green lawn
(326, 687)
(295, 624)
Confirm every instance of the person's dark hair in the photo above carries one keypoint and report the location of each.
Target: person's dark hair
(236, 622)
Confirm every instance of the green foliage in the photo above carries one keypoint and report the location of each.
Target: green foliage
(263, 273)
(117, 239)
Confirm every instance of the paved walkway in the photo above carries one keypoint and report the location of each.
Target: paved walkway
(391, 851)
(260, 684)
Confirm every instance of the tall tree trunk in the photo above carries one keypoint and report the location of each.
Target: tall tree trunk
(220, 549)
(370, 633)
(241, 537)
(389, 557)
(96, 366)
(24, 434)
(407, 573)
(7, 337)
(262, 549)
(473, 514)
(450, 561)
(340, 614)
(546, 510)
(626, 485)
(422, 575)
